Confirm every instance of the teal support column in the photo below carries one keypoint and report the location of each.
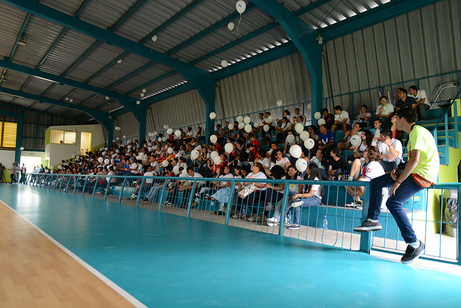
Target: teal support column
(19, 129)
(141, 117)
(304, 36)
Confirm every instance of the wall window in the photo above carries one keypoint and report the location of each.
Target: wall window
(63, 136)
(8, 135)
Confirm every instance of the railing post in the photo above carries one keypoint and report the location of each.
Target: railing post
(229, 202)
(161, 195)
(283, 209)
(191, 197)
(121, 190)
(84, 185)
(75, 184)
(107, 188)
(365, 237)
(139, 192)
(68, 183)
(447, 140)
(458, 252)
(95, 186)
(456, 128)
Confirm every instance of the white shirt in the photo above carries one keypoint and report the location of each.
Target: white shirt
(372, 170)
(420, 95)
(387, 109)
(266, 162)
(259, 175)
(226, 176)
(341, 117)
(384, 149)
(149, 181)
(281, 162)
(316, 189)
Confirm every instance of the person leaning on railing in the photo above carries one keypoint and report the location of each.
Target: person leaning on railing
(250, 193)
(420, 172)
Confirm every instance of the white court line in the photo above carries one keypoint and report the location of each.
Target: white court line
(106, 280)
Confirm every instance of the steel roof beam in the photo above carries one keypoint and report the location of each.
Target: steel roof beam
(372, 17)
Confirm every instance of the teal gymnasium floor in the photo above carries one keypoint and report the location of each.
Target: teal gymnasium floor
(165, 260)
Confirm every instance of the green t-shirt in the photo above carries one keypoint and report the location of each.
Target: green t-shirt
(428, 166)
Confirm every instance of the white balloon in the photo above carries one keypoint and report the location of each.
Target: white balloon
(128, 146)
(309, 143)
(301, 165)
(295, 151)
(241, 6)
(124, 136)
(214, 154)
(100, 159)
(256, 125)
(117, 139)
(270, 119)
(356, 141)
(155, 133)
(248, 128)
(48, 171)
(279, 103)
(139, 157)
(299, 128)
(51, 167)
(21, 148)
(149, 149)
(213, 138)
(317, 115)
(177, 133)
(139, 102)
(217, 160)
(241, 125)
(230, 26)
(165, 163)
(229, 147)
(230, 126)
(266, 128)
(184, 173)
(170, 150)
(308, 106)
(159, 139)
(59, 167)
(321, 122)
(106, 161)
(165, 126)
(169, 131)
(194, 154)
(224, 63)
(247, 120)
(290, 139)
(176, 169)
(239, 119)
(304, 135)
(103, 153)
(212, 115)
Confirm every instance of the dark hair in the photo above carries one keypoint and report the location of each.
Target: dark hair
(278, 172)
(409, 115)
(297, 108)
(402, 90)
(296, 174)
(338, 108)
(366, 107)
(287, 111)
(336, 151)
(262, 153)
(274, 155)
(190, 168)
(413, 87)
(260, 167)
(324, 109)
(314, 128)
(387, 133)
(384, 96)
(368, 137)
(315, 173)
(379, 120)
(245, 168)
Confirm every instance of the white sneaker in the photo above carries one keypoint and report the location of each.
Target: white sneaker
(297, 203)
(272, 220)
(221, 208)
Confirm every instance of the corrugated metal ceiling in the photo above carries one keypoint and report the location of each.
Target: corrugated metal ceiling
(83, 58)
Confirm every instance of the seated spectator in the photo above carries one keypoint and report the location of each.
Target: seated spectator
(328, 117)
(274, 192)
(320, 162)
(367, 170)
(326, 140)
(346, 144)
(404, 101)
(384, 112)
(363, 118)
(391, 151)
(367, 141)
(265, 161)
(283, 130)
(377, 125)
(336, 164)
(422, 104)
(342, 119)
(147, 184)
(252, 193)
(278, 159)
(222, 189)
(300, 116)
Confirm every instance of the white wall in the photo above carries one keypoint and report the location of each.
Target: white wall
(58, 152)
(7, 158)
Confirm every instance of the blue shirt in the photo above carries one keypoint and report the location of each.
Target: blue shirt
(325, 139)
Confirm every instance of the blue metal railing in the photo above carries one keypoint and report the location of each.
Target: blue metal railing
(173, 195)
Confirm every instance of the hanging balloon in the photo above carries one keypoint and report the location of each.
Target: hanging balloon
(124, 136)
(230, 126)
(59, 167)
(356, 141)
(241, 125)
(166, 126)
(295, 151)
(309, 143)
(159, 139)
(270, 119)
(241, 6)
(301, 165)
(155, 133)
(139, 157)
(103, 154)
(170, 150)
(247, 120)
(169, 131)
(194, 154)
(239, 119)
(214, 154)
(213, 138)
(128, 146)
(165, 163)
(248, 128)
(212, 115)
(321, 122)
(224, 63)
(176, 169)
(256, 125)
(21, 148)
(229, 147)
(279, 103)
(299, 128)
(117, 139)
(106, 161)
(304, 135)
(51, 167)
(317, 115)
(290, 139)
(106, 148)
(177, 133)
(217, 160)
(231, 26)
(308, 106)
(100, 159)
(266, 128)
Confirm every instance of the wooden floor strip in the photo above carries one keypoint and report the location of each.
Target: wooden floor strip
(36, 271)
